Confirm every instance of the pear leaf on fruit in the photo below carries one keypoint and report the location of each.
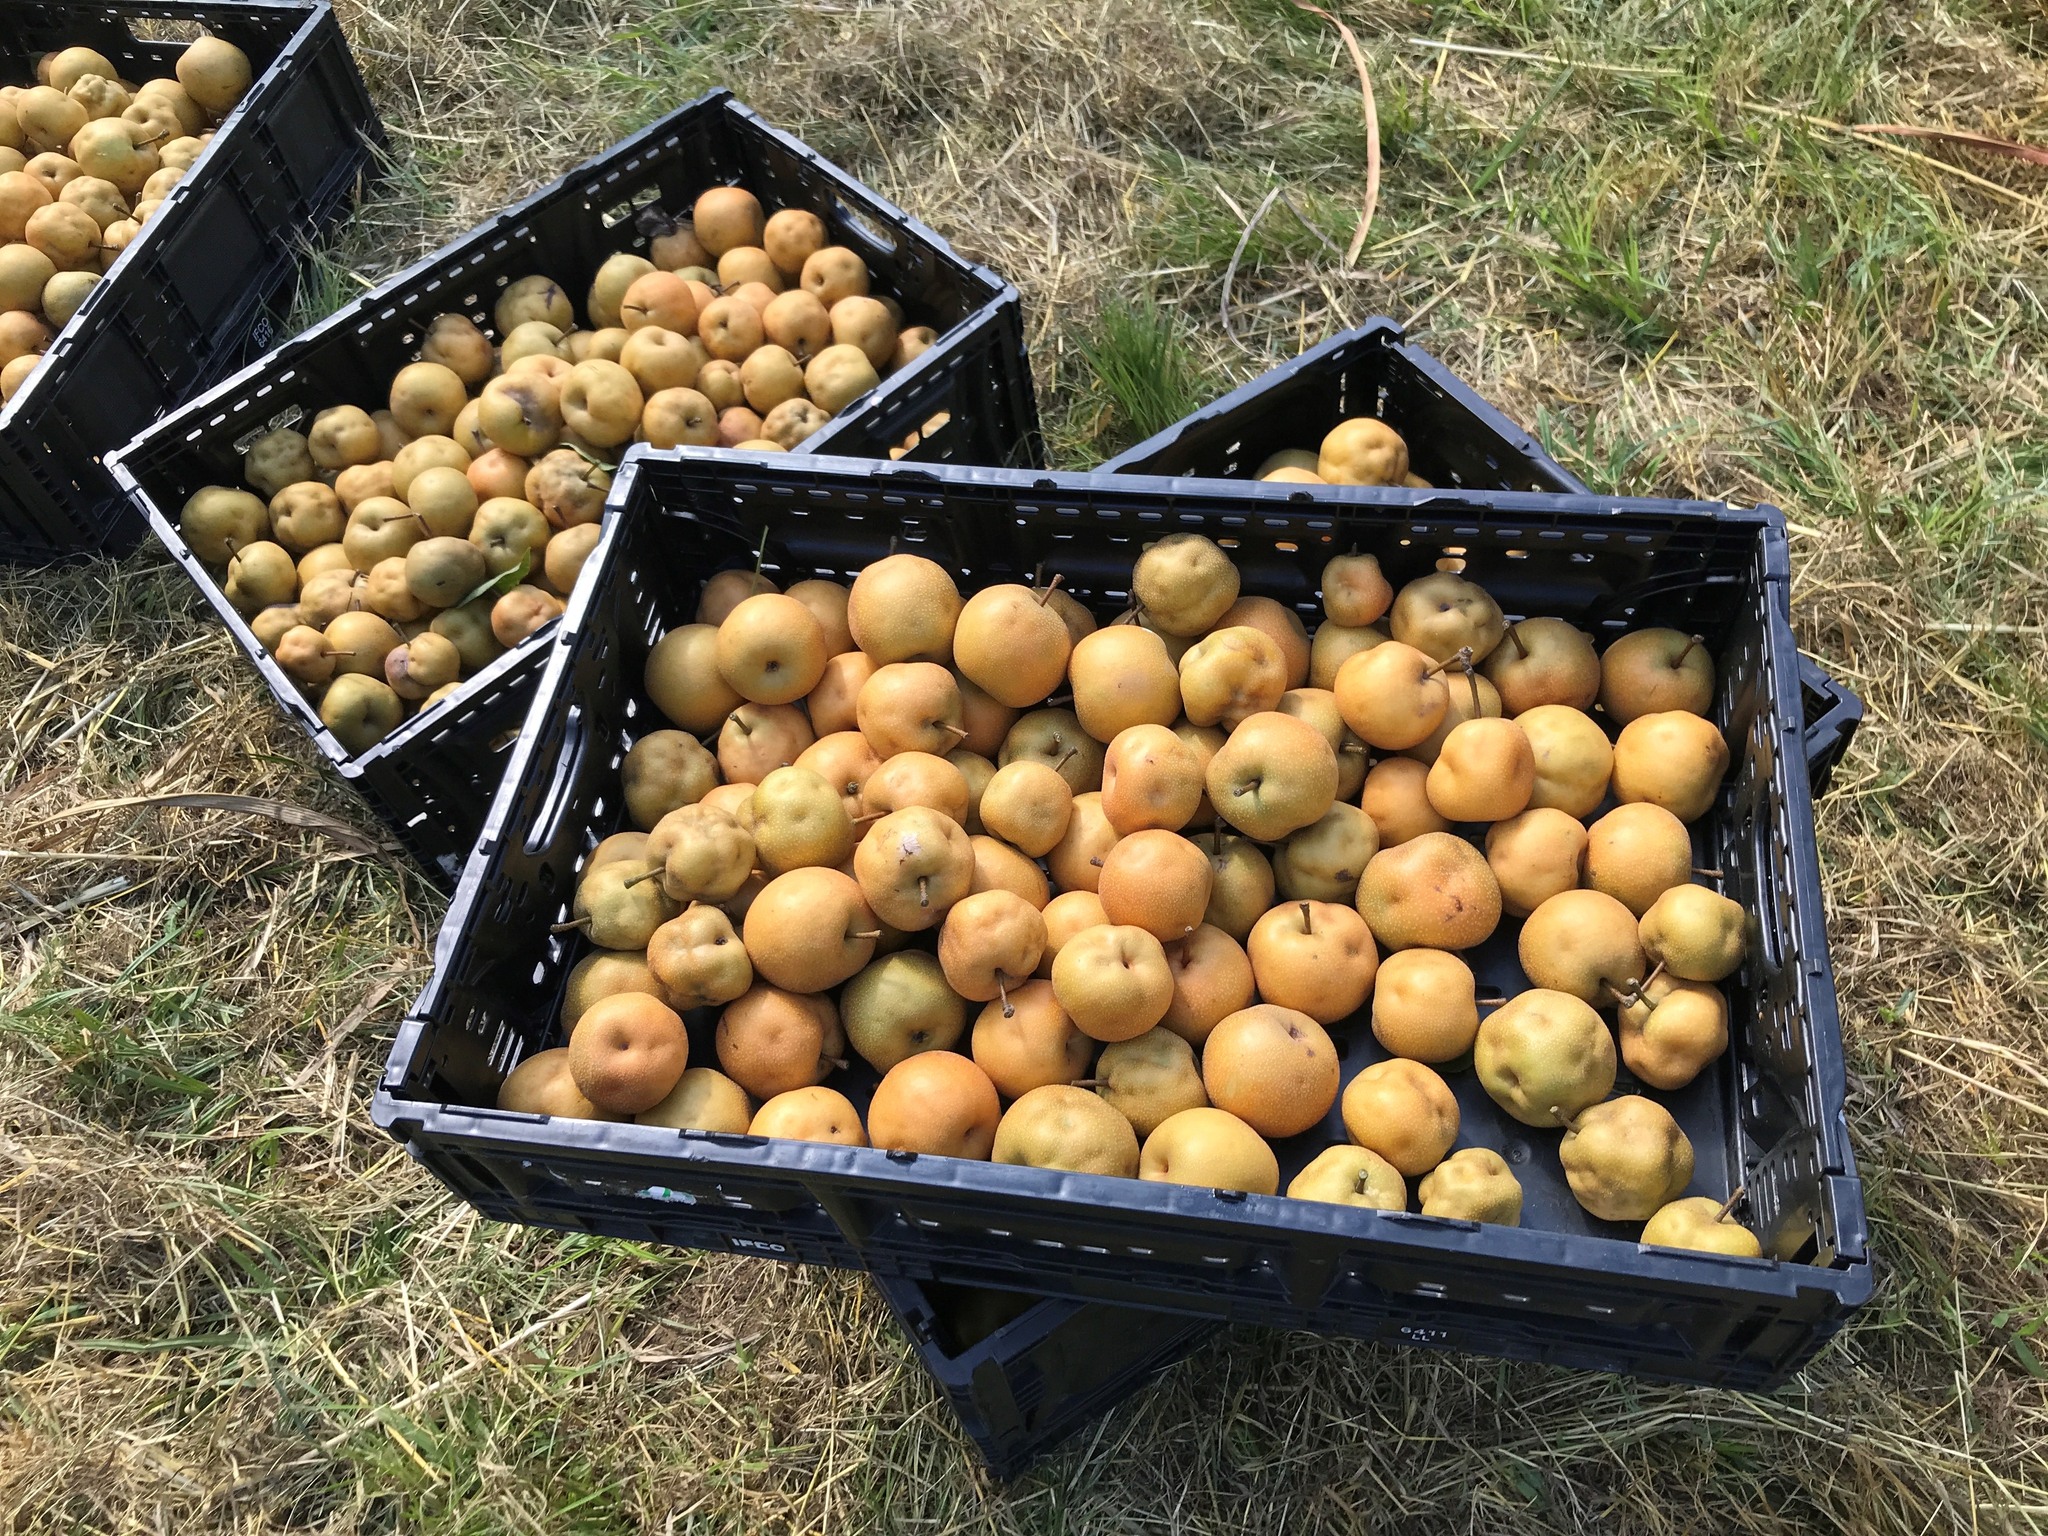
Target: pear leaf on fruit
(503, 582)
(590, 458)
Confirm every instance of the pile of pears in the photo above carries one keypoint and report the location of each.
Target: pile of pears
(85, 158)
(1091, 896)
(384, 555)
(1359, 450)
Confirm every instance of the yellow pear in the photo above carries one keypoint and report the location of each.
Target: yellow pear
(1626, 1158)
(1695, 933)
(1702, 1224)
(1351, 1176)
(1473, 1184)
(1543, 1056)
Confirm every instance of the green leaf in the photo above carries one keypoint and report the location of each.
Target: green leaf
(503, 582)
(2023, 1352)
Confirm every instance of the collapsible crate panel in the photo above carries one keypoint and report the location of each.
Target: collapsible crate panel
(431, 779)
(198, 291)
(1455, 439)
(1022, 1373)
(1565, 1287)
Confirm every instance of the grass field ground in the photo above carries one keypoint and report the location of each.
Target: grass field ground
(1642, 226)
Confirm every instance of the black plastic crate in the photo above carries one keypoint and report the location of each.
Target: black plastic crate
(1568, 1288)
(431, 780)
(1024, 1373)
(199, 290)
(1455, 439)
(975, 405)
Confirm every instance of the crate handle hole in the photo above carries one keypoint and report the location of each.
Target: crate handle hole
(149, 29)
(568, 769)
(872, 235)
(618, 213)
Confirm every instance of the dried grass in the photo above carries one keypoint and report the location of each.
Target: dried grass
(230, 1305)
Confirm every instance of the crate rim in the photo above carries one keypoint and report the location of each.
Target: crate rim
(1384, 331)
(188, 417)
(1399, 1234)
(1850, 1280)
(173, 211)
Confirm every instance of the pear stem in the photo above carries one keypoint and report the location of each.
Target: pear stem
(1089, 1082)
(1729, 1204)
(1068, 758)
(1472, 677)
(645, 875)
(761, 552)
(1045, 593)
(1644, 986)
(1353, 746)
(868, 816)
(1003, 992)
(874, 933)
(1569, 1122)
(1364, 1178)
(955, 731)
(1306, 925)
(1462, 657)
(1711, 874)
(1690, 646)
(924, 894)
(580, 922)
(838, 1061)
(1515, 634)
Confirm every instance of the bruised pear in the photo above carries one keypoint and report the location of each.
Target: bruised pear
(1626, 1158)
(1444, 615)
(1185, 582)
(913, 865)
